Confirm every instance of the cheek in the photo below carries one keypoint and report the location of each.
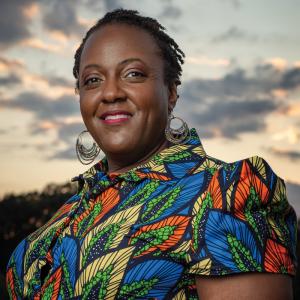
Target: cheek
(85, 111)
(156, 100)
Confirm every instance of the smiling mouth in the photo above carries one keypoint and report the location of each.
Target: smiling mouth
(114, 118)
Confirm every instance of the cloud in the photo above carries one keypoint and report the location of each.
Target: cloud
(233, 34)
(291, 78)
(171, 12)
(231, 118)
(68, 153)
(67, 133)
(60, 81)
(41, 45)
(7, 65)
(61, 16)
(240, 84)
(9, 80)
(10, 70)
(14, 21)
(277, 62)
(289, 154)
(291, 134)
(43, 107)
(293, 192)
(235, 3)
(292, 109)
(206, 61)
(238, 102)
(112, 4)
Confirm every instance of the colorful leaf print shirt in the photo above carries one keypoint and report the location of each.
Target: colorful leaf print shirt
(146, 233)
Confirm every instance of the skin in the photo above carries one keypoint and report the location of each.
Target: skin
(248, 286)
(121, 69)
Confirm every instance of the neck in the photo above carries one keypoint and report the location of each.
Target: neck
(119, 165)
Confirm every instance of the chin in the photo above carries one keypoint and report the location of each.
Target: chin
(118, 147)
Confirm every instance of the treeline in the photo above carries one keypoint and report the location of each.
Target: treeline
(24, 213)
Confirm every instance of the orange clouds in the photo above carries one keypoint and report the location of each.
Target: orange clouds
(41, 45)
(7, 65)
(31, 11)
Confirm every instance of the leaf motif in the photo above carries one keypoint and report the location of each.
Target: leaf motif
(103, 203)
(118, 225)
(11, 286)
(208, 165)
(141, 192)
(157, 205)
(109, 199)
(179, 169)
(277, 259)
(67, 271)
(50, 289)
(253, 208)
(279, 200)
(150, 279)
(229, 193)
(31, 273)
(100, 279)
(161, 235)
(180, 295)
(174, 198)
(259, 165)
(202, 267)
(214, 189)
(224, 234)
(203, 203)
(118, 260)
(246, 180)
(39, 247)
(152, 175)
(241, 255)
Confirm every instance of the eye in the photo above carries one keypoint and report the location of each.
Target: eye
(92, 81)
(133, 74)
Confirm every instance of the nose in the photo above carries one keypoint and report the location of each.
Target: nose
(112, 91)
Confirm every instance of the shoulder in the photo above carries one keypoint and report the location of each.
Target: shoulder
(243, 221)
(252, 176)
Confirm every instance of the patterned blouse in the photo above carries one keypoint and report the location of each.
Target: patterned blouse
(146, 233)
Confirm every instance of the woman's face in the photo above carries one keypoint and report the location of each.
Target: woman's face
(124, 100)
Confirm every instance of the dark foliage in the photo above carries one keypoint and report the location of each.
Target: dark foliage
(22, 214)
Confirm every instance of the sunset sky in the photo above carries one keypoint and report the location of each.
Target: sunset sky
(240, 87)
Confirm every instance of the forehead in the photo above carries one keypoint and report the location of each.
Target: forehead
(120, 41)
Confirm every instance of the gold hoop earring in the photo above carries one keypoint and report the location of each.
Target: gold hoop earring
(86, 154)
(180, 135)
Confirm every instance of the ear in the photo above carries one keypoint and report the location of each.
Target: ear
(172, 96)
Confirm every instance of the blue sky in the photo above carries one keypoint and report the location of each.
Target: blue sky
(240, 87)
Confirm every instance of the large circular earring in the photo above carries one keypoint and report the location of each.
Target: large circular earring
(86, 148)
(179, 135)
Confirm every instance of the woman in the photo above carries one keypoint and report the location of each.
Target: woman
(157, 218)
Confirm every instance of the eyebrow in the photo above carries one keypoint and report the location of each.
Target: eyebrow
(123, 62)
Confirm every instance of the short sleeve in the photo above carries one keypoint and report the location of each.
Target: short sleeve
(243, 223)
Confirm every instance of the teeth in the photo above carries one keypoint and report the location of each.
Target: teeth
(114, 117)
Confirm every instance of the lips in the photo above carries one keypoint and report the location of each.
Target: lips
(113, 117)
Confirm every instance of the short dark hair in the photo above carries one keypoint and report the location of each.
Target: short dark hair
(172, 55)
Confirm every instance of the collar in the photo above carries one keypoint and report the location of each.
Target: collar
(168, 166)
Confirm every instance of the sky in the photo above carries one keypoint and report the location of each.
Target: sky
(240, 86)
